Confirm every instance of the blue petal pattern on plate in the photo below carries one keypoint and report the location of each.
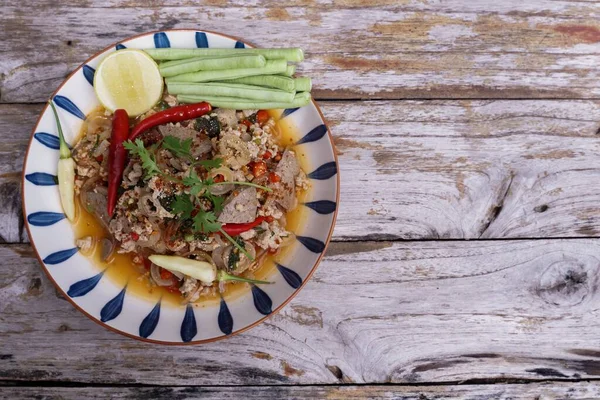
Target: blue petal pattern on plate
(69, 106)
(120, 46)
(314, 135)
(161, 40)
(291, 277)
(44, 218)
(225, 319)
(89, 72)
(149, 323)
(113, 308)
(262, 301)
(188, 326)
(314, 245)
(201, 40)
(82, 288)
(322, 206)
(288, 111)
(239, 45)
(60, 256)
(42, 179)
(47, 140)
(325, 171)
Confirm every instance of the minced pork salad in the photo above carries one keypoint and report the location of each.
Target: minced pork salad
(183, 166)
(214, 189)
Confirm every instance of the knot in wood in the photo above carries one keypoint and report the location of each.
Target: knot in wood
(565, 283)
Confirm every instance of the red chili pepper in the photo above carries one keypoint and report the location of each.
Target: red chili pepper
(165, 274)
(274, 178)
(219, 178)
(246, 122)
(262, 117)
(259, 168)
(175, 114)
(135, 237)
(116, 157)
(266, 155)
(236, 229)
(100, 158)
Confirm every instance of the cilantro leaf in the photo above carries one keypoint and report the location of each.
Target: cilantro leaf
(196, 185)
(210, 164)
(183, 206)
(148, 161)
(206, 221)
(179, 148)
(217, 202)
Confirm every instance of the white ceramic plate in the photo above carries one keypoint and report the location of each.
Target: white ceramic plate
(84, 284)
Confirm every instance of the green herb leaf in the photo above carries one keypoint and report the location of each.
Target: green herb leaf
(179, 148)
(224, 276)
(183, 206)
(210, 164)
(206, 221)
(148, 161)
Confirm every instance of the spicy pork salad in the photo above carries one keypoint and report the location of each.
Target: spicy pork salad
(188, 175)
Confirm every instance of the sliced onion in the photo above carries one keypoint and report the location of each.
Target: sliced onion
(107, 249)
(217, 256)
(152, 240)
(102, 147)
(147, 202)
(155, 274)
(179, 275)
(218, 190)
(97, 121)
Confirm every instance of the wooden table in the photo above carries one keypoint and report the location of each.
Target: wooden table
(465, 261)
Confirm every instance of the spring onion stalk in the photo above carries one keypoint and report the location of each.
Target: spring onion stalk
(288, 54)
(223, 276)
(271, 67)
(201, 270)
(300, 100)
(266, 189)
(66, 171)
(289, 71)
(270, 81)
(231, 90)
(236, 244)
(303, 84)
(213, 64)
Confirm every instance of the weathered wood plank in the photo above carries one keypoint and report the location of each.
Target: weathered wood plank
(430, 170)
(357, 49)
(550, 390)
(374, 312)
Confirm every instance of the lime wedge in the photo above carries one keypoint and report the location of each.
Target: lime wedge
(128, 79)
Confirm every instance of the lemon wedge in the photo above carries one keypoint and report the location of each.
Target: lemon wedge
(128, 79)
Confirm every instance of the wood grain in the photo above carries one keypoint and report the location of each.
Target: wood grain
(580, 391)
(375, 312)
(433, 169)
(356, 48)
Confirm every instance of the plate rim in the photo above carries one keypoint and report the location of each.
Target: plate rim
(130, 335)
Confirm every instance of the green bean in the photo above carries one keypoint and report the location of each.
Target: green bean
(213, 64)
(303, 84)
(271, 67)
(300, 100)
(246, 92)
(271, 81)
(289, 54)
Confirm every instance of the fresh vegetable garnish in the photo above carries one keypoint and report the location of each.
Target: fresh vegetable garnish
(201, 270)
(215, 63)
(185, 205)
(235, 103)
(66, 171)
(236, 229)
(223, 276)
(173, 114)
(288, 54)
(231, 90)
(128, 79)
(117, 155)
